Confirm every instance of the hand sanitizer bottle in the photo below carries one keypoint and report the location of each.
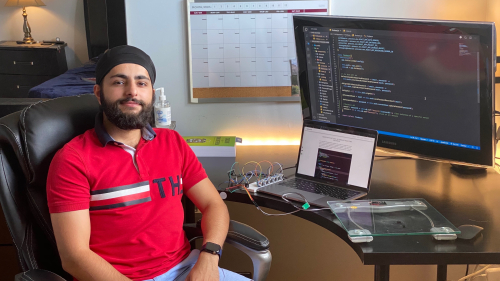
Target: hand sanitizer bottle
(162, 110)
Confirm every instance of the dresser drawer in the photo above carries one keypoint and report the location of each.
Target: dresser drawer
(18, 86)
(33, 62)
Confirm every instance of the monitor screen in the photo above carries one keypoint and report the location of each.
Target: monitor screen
(426, 86)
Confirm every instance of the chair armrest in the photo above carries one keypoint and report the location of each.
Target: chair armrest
(193, 230)
(247, 236)
(38, 275)
(238, 233)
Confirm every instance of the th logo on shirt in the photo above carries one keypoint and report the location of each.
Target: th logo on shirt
(175, 184)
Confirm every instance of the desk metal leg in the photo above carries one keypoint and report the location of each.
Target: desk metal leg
(442, 272)
(382, 272)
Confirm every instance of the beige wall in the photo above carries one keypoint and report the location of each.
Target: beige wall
(59, 18)
(493, 14)
(419, 9)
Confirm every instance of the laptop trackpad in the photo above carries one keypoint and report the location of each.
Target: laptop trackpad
(308, 195)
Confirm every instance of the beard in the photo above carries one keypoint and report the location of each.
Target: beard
(127, 121)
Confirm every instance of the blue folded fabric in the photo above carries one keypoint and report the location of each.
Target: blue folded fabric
(71, 83)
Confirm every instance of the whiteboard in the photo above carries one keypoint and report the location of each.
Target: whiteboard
(244, 51)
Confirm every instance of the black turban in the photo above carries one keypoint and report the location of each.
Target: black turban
(123, 54)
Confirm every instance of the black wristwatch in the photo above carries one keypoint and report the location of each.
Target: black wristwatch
(212, 248)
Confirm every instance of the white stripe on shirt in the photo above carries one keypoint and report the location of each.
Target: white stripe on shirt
(120, 193)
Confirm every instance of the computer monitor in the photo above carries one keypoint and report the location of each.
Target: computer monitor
(425, 85)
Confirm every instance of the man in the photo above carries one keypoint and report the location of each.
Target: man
(114, 192)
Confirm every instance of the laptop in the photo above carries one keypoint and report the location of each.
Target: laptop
(334, 163)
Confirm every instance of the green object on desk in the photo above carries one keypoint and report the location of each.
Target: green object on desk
(306, 206)
(210, 141)
(213, 146)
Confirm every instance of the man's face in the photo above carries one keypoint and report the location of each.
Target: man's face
(126, 96)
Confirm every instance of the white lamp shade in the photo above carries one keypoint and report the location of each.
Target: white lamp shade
(24, 3)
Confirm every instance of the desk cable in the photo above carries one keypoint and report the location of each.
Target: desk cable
(432, 223)
(285, 197)
(475, 273)
(351, 220)
(291, 167)
(242, 181)
(304, 207)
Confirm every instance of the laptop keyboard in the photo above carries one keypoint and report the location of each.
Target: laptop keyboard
(319, 188)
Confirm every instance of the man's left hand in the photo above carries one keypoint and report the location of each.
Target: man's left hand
(206, 268)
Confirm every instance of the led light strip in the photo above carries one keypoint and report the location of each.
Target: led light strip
(247, 142)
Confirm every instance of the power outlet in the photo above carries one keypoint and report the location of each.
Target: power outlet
(493, 274)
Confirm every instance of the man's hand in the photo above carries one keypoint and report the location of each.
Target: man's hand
(206, 268)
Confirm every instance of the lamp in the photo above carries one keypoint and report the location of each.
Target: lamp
(26, 26)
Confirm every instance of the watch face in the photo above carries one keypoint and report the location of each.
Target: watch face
(212, 247)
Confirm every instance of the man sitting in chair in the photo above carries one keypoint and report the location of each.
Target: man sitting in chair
(114, 192)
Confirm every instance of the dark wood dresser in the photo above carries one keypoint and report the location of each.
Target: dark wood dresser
(24, 66)
(21, 68)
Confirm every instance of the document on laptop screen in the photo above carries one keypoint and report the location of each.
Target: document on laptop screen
(336, 156)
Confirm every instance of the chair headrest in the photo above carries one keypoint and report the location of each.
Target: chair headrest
(48, 125)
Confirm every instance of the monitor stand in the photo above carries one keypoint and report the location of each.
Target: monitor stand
(468, 170)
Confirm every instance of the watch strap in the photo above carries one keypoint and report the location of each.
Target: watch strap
(212, 248)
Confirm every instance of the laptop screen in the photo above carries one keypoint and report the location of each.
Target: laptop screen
(337, 154)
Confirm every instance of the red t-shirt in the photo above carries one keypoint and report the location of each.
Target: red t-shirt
(136, 215)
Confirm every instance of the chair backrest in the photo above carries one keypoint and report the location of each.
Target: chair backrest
(28, 141)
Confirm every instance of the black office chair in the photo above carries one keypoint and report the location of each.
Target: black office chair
(28, 141)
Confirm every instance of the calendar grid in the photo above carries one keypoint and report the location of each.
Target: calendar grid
(244, 44)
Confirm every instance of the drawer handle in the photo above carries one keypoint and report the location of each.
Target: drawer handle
(23, 62)
(21, 86)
